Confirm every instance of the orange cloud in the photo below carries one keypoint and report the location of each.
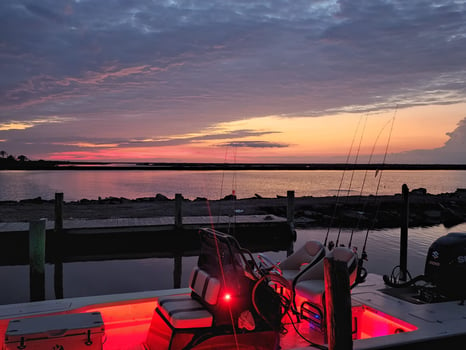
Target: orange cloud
(22, 125)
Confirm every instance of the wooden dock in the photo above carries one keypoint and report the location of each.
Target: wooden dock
(129, 238)
(115, 225)
(117, 239)
(59, 241)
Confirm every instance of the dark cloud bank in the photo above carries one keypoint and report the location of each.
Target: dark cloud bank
(147, 69)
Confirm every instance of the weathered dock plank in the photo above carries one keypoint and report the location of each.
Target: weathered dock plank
(130, 224)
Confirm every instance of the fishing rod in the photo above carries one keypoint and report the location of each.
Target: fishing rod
(364, 180)
(364, 253)
(341, 182)
(352, 175)
(233, 190)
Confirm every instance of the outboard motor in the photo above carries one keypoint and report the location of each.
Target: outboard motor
(446, 265)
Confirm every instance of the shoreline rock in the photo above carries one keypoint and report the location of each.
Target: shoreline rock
(352, 211)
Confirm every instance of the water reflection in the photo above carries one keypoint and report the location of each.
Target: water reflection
(120, 276)
(91, 184)
(382, 245)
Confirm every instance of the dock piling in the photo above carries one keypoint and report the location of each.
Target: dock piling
(290, 207)
(404, 234)
(58, 212)
(178, 210)
(37, 260)
(57, 249)
(177, 270)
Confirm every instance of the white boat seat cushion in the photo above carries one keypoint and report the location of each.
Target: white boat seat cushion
(311, 286)
(303, 255)
(308, 253)
(205, 286)
(312, 291)
(290, 274)
(182, 311)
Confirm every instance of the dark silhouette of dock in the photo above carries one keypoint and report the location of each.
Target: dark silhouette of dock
(130, 238)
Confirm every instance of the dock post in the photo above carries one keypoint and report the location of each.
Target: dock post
(177, 270)
(58, 279)
(178, 225)
(178, 211)
(290, 218)
(290, 207)
(58, 212)
(404, 234)
(37, 260)
(58, 246)
(338, 305)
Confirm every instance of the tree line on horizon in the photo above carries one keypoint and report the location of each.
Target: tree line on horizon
(12, 162)
(11, 158)
(22, 162)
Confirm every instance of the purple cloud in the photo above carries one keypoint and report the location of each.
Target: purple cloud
(144, 69)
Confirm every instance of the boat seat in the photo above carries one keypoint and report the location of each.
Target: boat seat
(219, 302)
(178, 317)
(184, 311)
(310, 286)
(308, 254)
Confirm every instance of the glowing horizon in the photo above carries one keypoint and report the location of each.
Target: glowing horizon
(313, 139)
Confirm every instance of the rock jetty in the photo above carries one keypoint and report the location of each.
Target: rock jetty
(425, 209)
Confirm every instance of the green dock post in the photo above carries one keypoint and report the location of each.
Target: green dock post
(58, 247)
(37, 260)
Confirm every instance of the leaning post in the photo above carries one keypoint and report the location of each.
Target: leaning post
(404, 234)
(338, 305)
(37, 260)
(178, 210)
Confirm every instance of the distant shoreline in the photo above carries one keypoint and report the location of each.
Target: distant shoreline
(61, 165)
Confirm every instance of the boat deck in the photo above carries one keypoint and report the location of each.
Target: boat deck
(442, 322)
(422, 325)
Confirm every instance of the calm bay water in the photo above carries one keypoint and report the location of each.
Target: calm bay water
(90, 184)
(121, 276)
(105, 277)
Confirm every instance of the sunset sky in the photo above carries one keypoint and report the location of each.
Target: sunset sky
(240, 80)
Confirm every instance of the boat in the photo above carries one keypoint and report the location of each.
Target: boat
(239, 301)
